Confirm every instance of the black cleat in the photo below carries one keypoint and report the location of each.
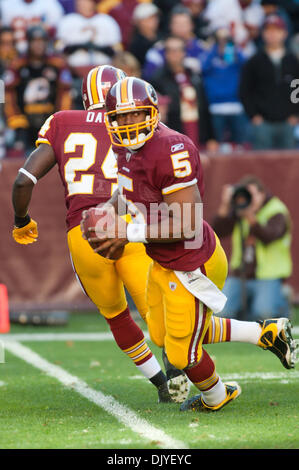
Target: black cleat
(163, 394)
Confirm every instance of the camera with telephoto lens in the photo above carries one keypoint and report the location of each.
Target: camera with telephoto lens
(241, 198)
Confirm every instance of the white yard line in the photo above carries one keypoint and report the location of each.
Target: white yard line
(259, 376)
(104, 336)
(250, 376)
(122, 413)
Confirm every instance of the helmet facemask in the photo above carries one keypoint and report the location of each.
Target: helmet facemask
(131, 136)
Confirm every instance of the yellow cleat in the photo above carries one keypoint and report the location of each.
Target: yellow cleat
(196, 403)
(276, 336)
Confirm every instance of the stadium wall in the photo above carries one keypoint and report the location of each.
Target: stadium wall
(40, 276)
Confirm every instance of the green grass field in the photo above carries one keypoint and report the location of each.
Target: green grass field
(72, 394)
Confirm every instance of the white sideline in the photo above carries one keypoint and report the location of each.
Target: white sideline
(106, 402)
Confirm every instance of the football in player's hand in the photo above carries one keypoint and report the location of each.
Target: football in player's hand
(90, 229)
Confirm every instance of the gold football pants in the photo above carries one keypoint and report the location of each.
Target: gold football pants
(103, 280)
(176, 319)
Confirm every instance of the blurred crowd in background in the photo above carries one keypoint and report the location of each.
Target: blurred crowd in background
(226, 71)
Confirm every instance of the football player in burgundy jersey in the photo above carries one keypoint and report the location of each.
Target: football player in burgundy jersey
(159, 167)
(77, 141)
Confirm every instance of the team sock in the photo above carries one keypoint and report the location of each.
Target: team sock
(130, 339)
(204, 377)
(227, 329)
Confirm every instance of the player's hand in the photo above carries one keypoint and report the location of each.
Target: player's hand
(109, 247)
(27, 234)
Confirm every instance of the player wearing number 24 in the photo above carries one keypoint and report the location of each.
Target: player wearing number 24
(77, 141)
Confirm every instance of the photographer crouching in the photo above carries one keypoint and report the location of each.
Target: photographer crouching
(260, 226)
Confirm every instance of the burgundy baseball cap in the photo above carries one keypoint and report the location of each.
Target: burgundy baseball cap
(275, 20)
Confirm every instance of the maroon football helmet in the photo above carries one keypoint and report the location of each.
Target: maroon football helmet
(126, 96)
(97, 83)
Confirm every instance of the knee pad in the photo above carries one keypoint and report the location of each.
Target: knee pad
(156, 331)
(177, 351)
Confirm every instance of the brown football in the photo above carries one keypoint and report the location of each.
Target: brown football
(92, 216)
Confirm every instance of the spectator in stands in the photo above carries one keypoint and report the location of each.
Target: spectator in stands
(259, 225)
(180, 25)
(87, 37)
(275, 7)
(187, 110)
(20, 14)
(8, 53)
(146, 21)
(229, 14)
(253, 17)
(122, 12)
(127, 62)
(197, 9)
(37, 85)
(165, 8)
(266, 88)
(221, 71)
(8, 50)
(292, 9)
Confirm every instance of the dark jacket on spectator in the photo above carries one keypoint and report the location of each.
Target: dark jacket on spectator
(265, 88)
(165, 84)
(140, 45)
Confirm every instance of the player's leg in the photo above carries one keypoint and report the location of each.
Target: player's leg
(103, 285)
(186, 322)
(274, 334)
(133, 268)
(177, 380)
(201, 370)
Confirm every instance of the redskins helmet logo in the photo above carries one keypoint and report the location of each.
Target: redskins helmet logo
(152, 94)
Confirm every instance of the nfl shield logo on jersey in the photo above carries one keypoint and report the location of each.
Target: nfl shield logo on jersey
(172, 285)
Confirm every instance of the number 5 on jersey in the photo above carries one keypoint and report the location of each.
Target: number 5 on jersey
(181, 164)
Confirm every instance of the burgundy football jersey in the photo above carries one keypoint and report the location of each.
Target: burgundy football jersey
(86, 162)
(168, 162)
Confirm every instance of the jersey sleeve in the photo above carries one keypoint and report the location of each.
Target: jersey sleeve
(179, 167)
(46, 134)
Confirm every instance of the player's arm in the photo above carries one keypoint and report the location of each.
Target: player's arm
(182, 220)
(39, 162)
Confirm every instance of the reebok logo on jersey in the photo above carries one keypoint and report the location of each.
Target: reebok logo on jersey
(177, 147)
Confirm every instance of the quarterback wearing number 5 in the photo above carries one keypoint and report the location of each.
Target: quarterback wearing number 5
(158, 166)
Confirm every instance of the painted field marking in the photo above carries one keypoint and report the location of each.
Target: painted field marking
(247, 377)
(104, 336)
(122, 413)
